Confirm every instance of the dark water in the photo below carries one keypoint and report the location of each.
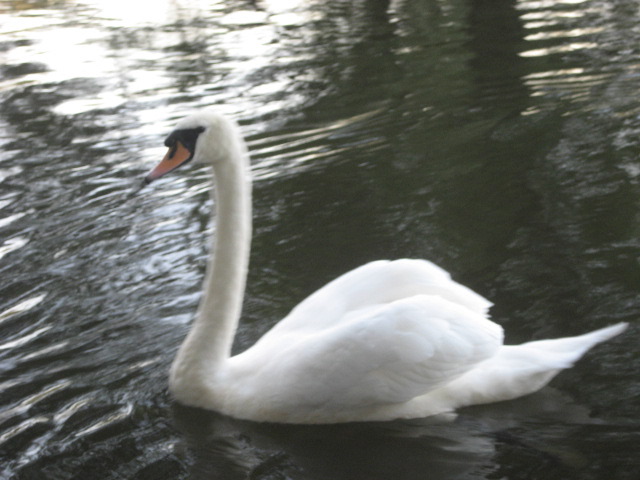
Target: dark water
(499, 139)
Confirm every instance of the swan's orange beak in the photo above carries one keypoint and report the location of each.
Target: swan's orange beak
(176, 156)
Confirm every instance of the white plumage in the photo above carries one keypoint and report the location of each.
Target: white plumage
(390, 339)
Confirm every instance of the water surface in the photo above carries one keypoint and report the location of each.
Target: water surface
(498, 139)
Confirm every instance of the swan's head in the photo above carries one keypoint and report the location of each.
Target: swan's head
(202, 136)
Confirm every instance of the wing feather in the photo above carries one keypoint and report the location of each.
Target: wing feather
(378, 354)
(377, 283)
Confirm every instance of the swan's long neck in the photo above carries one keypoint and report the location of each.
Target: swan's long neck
(219, 311)
(209, 342)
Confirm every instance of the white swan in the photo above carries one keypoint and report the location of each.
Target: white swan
(390, 339)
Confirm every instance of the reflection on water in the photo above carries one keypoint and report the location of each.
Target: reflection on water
(464, 447)
(497, 139)
(231, 449)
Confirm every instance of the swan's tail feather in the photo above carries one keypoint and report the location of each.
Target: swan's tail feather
(572, 349)
(518, 370)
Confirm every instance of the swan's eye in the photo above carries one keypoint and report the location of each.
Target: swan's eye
(189, 137)
(186, 136)
(172, 150)
(182, 148)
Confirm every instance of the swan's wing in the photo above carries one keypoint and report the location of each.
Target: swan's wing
(377, 283)
(380, 354)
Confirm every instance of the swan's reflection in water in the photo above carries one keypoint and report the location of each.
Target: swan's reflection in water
(465, 447)
(227, 448)
(437, 448)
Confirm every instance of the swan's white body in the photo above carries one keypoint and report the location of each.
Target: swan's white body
(390, 339)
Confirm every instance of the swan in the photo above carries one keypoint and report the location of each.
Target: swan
(388, 340)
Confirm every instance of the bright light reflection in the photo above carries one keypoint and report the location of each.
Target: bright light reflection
(115, 54)
(541, 52)
(9, 246)
(555, 73)
(552, 14)
(145, 12)
(546, 4)
(577, 32)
